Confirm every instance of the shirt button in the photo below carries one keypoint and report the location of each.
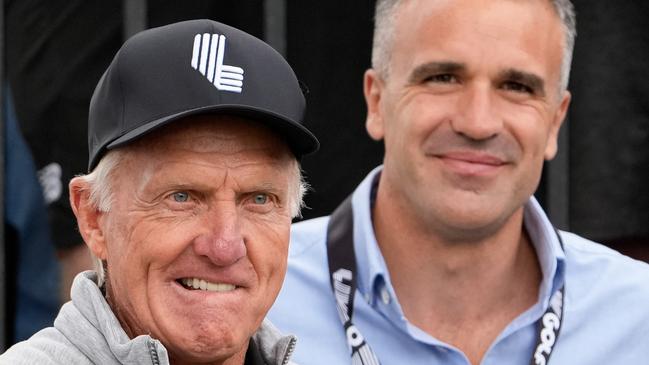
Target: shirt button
(385, 296)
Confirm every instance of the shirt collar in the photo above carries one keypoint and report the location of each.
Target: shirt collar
(549, 251)
(372, 270)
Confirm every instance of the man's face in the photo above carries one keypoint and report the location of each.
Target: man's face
(196, 239)
(469, 110)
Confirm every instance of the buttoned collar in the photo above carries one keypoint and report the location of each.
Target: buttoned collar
(374, 279)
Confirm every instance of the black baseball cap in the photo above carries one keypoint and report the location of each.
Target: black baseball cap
(164, 74)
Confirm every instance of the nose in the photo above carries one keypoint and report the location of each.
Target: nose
(476, 117)
(220, 239)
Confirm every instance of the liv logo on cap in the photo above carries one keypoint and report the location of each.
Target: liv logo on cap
(207, 58)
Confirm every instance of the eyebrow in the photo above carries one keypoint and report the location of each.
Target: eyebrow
(430, 68)
(533, 81)
(264, 186)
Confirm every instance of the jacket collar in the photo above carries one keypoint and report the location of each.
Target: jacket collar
(90, 324)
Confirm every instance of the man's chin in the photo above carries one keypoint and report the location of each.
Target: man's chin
(206, 347)
(204, 326)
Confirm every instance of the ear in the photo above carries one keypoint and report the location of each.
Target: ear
(372, 88)
(88, 217)
(558, 118)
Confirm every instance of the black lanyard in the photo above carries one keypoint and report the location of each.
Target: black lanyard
(342, 269)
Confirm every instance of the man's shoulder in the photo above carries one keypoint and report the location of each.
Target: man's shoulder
(307, 258)
(593, 268)
(605, 305)
(305, 305)
(308, 236)
(584, 252)
(48, 347)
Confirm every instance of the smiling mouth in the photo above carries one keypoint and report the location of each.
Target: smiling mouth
(472, 164)
(200, 284)
(472, 158)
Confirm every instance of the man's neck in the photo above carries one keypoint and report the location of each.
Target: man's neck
(463, 293)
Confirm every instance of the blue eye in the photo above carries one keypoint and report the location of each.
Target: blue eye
(181, 196)
(260, 199)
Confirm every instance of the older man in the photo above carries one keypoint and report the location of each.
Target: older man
(442, 256)
(194, 135)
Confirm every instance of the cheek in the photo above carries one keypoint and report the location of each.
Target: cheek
(399, 126)
(418, 116)
(118, 249)
(539, 142)
(267, 245)
(149, 245)
(531, 132)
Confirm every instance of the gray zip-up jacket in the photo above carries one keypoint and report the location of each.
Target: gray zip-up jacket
(87, 332)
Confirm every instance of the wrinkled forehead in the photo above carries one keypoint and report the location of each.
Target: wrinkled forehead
(201, 151)
(215, 134)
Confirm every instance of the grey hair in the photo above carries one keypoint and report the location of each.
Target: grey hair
(101, 193)
(385, 18)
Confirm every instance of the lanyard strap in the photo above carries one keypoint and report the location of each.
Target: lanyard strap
(342, 270)
(549, 324)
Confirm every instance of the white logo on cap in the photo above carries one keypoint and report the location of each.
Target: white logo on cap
(50, 179)
(207, 58)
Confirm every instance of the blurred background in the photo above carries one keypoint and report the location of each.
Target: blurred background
(55, 51)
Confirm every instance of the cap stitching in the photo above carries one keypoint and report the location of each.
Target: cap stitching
(121, 93)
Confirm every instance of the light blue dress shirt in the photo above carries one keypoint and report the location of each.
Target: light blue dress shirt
(606, 309)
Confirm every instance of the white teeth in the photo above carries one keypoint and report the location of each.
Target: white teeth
(201, 284)
(219, 287)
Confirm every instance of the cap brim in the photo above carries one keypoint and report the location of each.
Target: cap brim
(300, 140)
